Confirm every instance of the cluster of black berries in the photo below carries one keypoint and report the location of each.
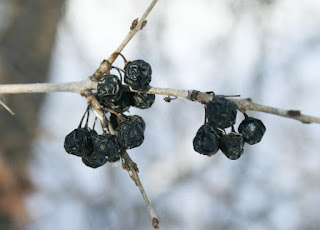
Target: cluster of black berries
(221, 114)
(95, 150)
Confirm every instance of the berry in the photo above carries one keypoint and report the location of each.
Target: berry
(138, 74)
(138, 120)
(143, 100)
(106, 145)
(109, 88)
(130, 133)
(221, 113)
(252, 130)
(232, 145)
(94, 160)
(122, 105)
(79, 142)
(206, 141)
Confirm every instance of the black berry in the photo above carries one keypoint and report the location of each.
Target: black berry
(232, 145)
(94, 160)
(143, 100)
(221, 113)
(252, 130)
(106, 145)
(79, 142)
(138, 74)
(120, 106)
(206, 141)
(130, 133)
(109, 88)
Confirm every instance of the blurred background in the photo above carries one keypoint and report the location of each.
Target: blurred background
(268, 50)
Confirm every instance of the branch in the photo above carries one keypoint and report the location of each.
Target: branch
(75, 87)
(133, 171)
(192, 95)
(136, 26)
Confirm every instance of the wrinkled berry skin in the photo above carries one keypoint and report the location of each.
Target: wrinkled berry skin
(221, 113)
(130, 133)
(206, 141)
(232, 145)
(109, 88)
(94, 160)
(252, 130)
(138, 74)
(120, 106)
(79, 142)
(143, 100)
(107, 146)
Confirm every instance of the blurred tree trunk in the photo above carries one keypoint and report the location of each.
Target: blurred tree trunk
(25, 50)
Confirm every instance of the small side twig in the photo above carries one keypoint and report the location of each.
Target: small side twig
(136, 26)
(7, 108)
(131, 167)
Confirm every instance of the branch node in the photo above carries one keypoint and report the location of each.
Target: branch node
(155, 223)
(134, 24)
(144, 23)
(293, 113)
(193, 95)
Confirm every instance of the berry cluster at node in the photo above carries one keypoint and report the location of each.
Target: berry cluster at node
(97, 149)
(221, 114)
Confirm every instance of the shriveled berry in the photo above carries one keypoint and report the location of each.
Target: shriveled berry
(232, 145)
(143, 100)
(138, 74)
(109, 88)
(206, 141)
(221, 113)
(138, 120)
(252, 130)
(130, 133)
(79, 142)
(106, 145)
(94, 160)
(120, 106)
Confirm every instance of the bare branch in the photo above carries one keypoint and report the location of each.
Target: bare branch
(75, 87)
(192, 95)
(133, 171)
(135, 27)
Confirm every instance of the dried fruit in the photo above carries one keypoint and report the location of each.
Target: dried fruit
(206, 141)
(130, 133)
(94, 160)
(221, 113)
(109, 88)
(143, 100)
(120, 106)
(79, 142)
(138, 74)
(106, 145)
(252, 130)
(232, 145)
